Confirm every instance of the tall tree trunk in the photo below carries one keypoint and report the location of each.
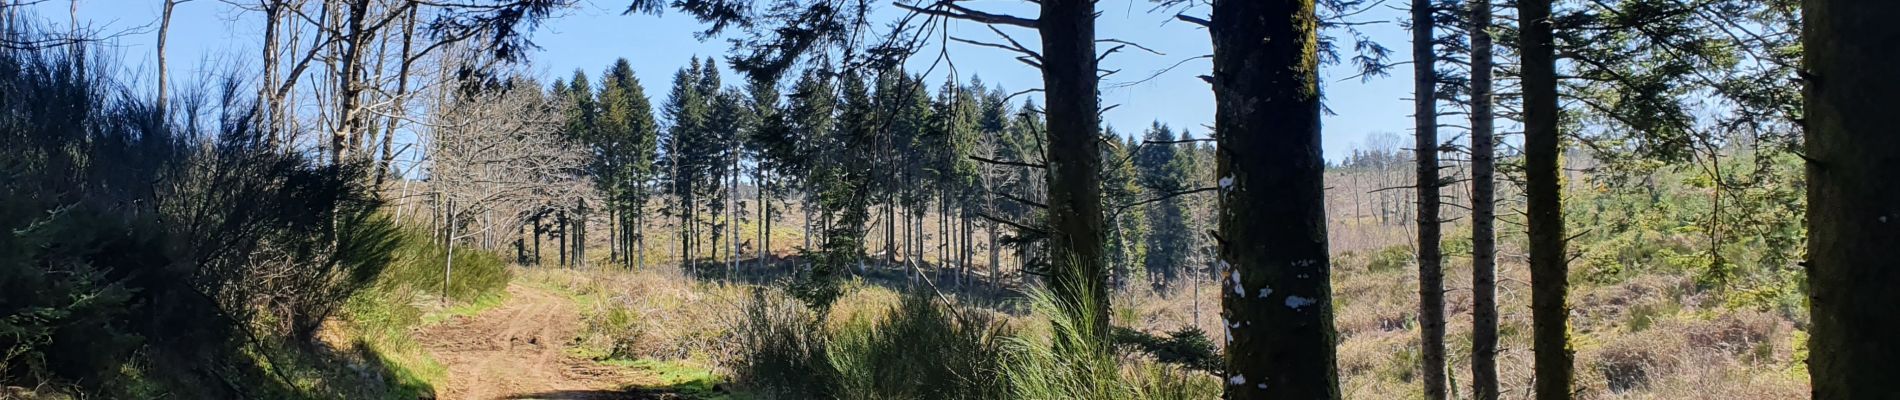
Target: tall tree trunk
(1075, 157)
(686, 234)
(384, 164)
(640, 240)
(732, 201)
(537, 240)
(890, 231)
(1549, 275)
(580, 235)
(1853, 204)
(350, 83)
(164, 30)
(273, 14)
(805, 207)
(764, 217)
(1275, 290)
(614, 225)
(562, 245)
(966, 254)
(995, 267)
(943, 232)
(1484, 291)
(448, 247)
(1431, 275)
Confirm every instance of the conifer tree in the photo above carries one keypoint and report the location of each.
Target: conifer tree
(810, 115)
(768, 141)
(686, 107)
(627, 135)
(1126, 225)
(1163, 170)
(841, 178)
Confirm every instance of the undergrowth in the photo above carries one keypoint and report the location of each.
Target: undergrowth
(922, 348)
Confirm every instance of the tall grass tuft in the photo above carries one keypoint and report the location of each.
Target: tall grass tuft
(782, 345)
(1066, 358)
(920, 350)
(419, 264)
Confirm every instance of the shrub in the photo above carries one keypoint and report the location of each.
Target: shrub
(1187, 347)
(173, 234)
(782, 349)
(1390, 258)
(63, 316)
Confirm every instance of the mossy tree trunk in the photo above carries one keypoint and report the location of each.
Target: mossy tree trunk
(1276, 301)
(1549, 275)
(1074, 132)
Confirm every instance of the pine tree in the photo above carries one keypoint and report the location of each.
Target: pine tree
(993, 125)
(629, 136)
(1163, 171)
(915, 137)
(841, 179)
(687, 107)
(810, 116)
(1069, 68)
(956, 112)
(769, 144)
(728, 116)
(1126, 244)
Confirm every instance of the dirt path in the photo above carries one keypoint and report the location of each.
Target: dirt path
(517, 351)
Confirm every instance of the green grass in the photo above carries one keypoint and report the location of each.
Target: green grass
(679, 377)
(379, 321)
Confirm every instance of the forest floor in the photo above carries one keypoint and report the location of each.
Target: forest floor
(520, 350)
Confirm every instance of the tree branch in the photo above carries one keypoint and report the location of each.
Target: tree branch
(951, 10)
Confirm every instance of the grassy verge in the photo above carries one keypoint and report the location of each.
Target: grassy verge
(375, 333)
(665, 325)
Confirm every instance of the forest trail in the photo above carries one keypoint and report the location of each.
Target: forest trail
(518, 351)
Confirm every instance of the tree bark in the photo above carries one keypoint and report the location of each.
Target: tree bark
(1484, 293)
(1431, 275)
(1549, 275)
(273, 14)
(1853, 205)
(349, 81)
(1276, 295)
(384, 164)
(562, 244)
(537, 240)
(759, 183)
(1074, 131)
(164, 29)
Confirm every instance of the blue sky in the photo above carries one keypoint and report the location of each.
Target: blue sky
(212, 37)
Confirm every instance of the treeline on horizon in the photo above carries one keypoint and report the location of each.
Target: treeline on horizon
(887, 143)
